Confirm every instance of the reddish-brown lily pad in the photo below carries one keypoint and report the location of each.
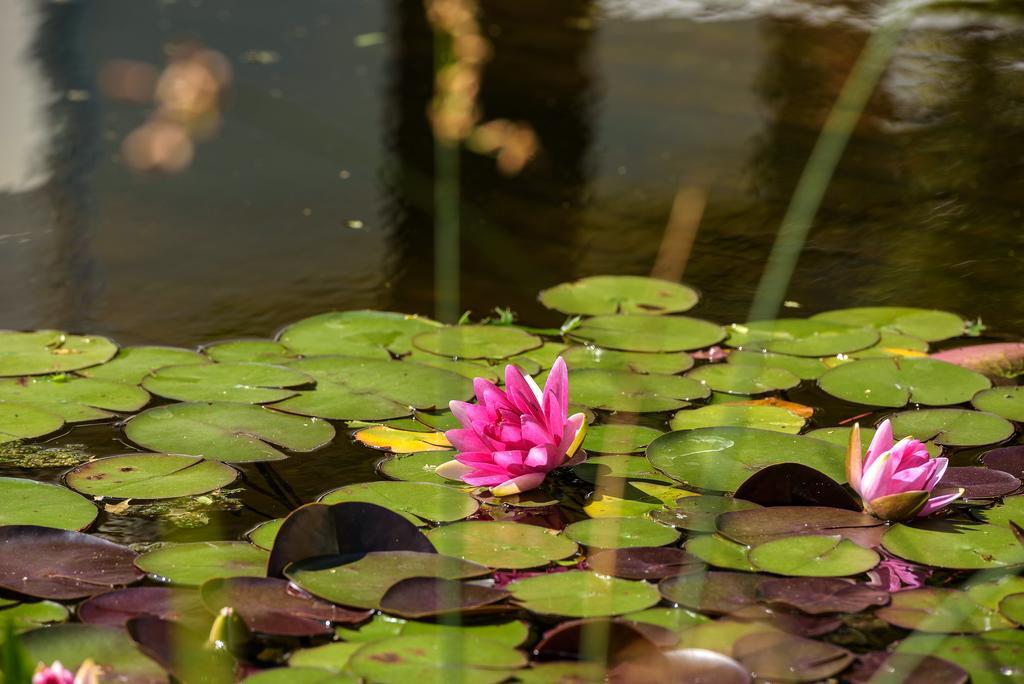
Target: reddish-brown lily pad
(715, 593)
(774, 656)
(789, 619)
(882, 667)
(794, 484)
(1007, 459)
(644, 562)
(816, 595)
(758, 526)
(614, 640)
(275, 606)
(980, 483)
(690, 665)
(419, 597)
(59, 564)
(116, 608)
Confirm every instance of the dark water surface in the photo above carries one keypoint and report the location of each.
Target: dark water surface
(631, 101)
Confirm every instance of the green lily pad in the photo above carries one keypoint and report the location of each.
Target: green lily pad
(501, 544)
(632, 392)
(368, 389)
(477, 341)
(598, 295)
(813, 555)
(716, 550)
(840, 436)
(952, 427)
(563, 672)
(28, 502)
(511, 633)
(803, 367)
(108, 647)
(51, 351)
(991, 593)
(225, 431)
(250, 383)
(249, 351)
(429, 659)
(925, 324)
(467, 369)
(739, 378)
(676, 619)
(1007, 402)
(582, 594)
(193, 563)
(897, 381)
(417, 501)
(946, 611)
(150, 476)
(72, 398)
(715, 593)
(418, 466)
(893, 344)
(722, 458)
(134, 363)
(440, 420)
(264, 534)
(541, 358)
(617, 498)
(634, 362)
(719, 415)
(300, 675)
(1011, 510)
(756, 526)
(954, 545)
(619, 466)
(619, 438)
(333, 657)
(641, 333)
(24, 421)
(990, 658)
(801, 337)
(367, 334)
(620, 533)
(1011, 607)
(698, 513)
(363, 581)
(27, 615)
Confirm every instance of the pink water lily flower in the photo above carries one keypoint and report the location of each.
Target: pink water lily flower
(512, 438)
(54, 674)
(896, 481)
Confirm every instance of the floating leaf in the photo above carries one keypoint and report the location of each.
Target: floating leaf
(726, 415)
(576, 672)
(722, 458)
(955, 545)
(634, 362)
(616, 498)
(883, 667)
(802, 367)
(840, 436)
(641, 333)
(620, 533)
(225, 431)
(952, 427)
(698, 513)
(632, 392)
(108, 647)
(644, 562)
(766, 524)
(28, 502)
(793, 484)
(613, 641)
(24, 421)
(683, 665)
(433, 660)
(1007, 402)
(59, 564)
(51, 351)
(896, 382)
(602, 468)
(368, 334)
(675, 619)
(991, 658)
(116, 608)
(193, 563)
(979, 483)
(249, 351)
(134, 363)
(721, 635)
(417, 466)
(817, 595)
(998, 360)
(402, 441)
(927, 324)
(333, 656)
(933, 609)
(418, 597)
(477, 341)
(801, 337)
(249, 383)
(300, 675)
(150, 476)
(1008, 460)
(417, 501)
(580, 594)
(500, 544)
(791, 658)
(467, 369)
(893, 344)
(28, 615)
(74, 399)
(715, 593)
(738, 378)
(1012, 607)
(598, 295)
(716, 550)
(264, 534)
(619, 438)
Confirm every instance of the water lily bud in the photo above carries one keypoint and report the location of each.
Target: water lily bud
(229, 632)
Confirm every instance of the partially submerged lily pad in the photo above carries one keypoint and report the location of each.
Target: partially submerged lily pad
(935, 609)
(28, 502)
(641, 333)
(952, 427)
(761, 525)
(725, 415)
(745, 379)
(619, 438)
(51, 351)
(250, 383)
(598, 295)
(116, 608)
(501, 544)
(193, 563)
(896, 382)
(150, 476)
(417, 466)
(578, 593)
(632, 392)
(801, 337)
(477, 341)
(436, 660)
(926, 324)
(368, 334)
(619, 533)
(805, 368)
(417, 501)
(132, 364)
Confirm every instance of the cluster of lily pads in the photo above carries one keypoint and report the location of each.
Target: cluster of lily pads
(705, 532)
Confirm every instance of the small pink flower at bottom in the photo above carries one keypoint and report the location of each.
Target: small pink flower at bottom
(54, 674)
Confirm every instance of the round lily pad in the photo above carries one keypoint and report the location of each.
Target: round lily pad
(715, 593)
(249, 351)
(801, 337)
(641, 333)
(422, 597)
(501, 544)
(716, 550)
(398, 441)
(990, 658)
(250, 383)
(779, 656)
(192, 563)
(61, 564)
(644, 562)
(979, 483)
(598, 295)
(28, 502)
(150, 476)
(24, 421)
(926, 324)
(1012, 607)
(955, 545)
(632, 392)
(74, 399)
(109, 647)
(28, 615)
(817, 595)
(134, 363)
(467, 369)
(418, 466)
(1007, 402)
(116, 608)
(722, 458)
(1007, 459)
(300, 675)
(619, 466)
(477, 341)
(369, 389)
(264, 534)
(634, 362)
(620, 533)
(226, 431)
(952, 427)
(896, 382)
(738, 378)
(720, 415)
(618, 438)
(813, 555)
(840, 436)
(417, 501)
(429, 659)
(617, 498)
(676, 619)
(332, 656)
(51, 351)
(577, 593)
(368, 334)
(803, 367)
(934, 609)
(776, 522)
(698, 513)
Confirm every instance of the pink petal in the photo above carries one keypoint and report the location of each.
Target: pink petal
(880, 443)
(940, 469)
(576, 423)
(916, 478)
(485, 479)
(557, 387)
(516, 485)
(520, 393)
(543, 457)
(466, 440)
(937, 502)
